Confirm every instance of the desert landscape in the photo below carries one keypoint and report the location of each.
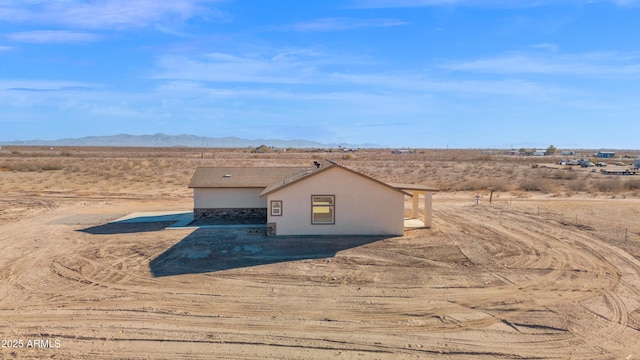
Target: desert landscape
(549, 269)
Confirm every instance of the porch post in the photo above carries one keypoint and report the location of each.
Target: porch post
(415, 214)
(427, 208)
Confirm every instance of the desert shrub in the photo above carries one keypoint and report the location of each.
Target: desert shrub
(577, 185)
(530, 185)
(30, 166)
(348, 157)
(564, 175)
(632, 184)
(481, 184)
(608, 186)
(546, 174)
(542, 185)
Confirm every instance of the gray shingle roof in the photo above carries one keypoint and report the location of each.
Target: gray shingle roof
(259, 177)
(282, 182)
(274, 178)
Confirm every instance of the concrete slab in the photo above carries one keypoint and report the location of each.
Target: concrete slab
(157, 216)
(413, 224)
(181, 219)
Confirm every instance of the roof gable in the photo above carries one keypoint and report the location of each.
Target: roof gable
(319, 168)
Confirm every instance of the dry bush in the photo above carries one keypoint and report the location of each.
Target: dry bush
(481, 184)
(632, 184)
(30, 166)
(608, 186)
(578, 185)
(543, 185)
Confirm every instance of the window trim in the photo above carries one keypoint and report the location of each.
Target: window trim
(332, 206)
(275, 208)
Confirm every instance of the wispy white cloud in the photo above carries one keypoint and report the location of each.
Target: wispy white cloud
(5, 48)
(52, 36)
(603, 64)
(627, 2)
(44, 85)
(94, 14)
(372, 4)
(281, 68)
(341, 24)
(547, 46)
(272, 73)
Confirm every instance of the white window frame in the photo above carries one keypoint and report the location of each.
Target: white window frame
(276, 207)
(331, 206)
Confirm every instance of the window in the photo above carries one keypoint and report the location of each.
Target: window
(276, 208)
(322, 209)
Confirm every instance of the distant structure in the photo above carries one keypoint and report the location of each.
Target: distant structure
(262, 149)
(606, 154)
(403, 151)
(540, 152)
(636, 164)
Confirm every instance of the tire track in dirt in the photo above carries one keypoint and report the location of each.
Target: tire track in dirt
(574, 266)
(484, 283)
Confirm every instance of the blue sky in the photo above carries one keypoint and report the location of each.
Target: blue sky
(417, 73)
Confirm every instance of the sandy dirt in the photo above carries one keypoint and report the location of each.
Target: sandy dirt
(518, 278)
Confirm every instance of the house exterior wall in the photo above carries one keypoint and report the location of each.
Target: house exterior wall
(602, 154)
(228, 198)
(362, 206)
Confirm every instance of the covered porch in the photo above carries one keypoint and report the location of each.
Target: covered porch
(420, 194)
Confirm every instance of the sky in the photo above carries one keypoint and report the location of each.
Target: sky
(397, 73)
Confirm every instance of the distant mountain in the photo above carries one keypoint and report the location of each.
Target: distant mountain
(163, 140)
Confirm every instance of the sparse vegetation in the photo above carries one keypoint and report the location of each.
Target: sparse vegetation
(168, 170)
(30, 165)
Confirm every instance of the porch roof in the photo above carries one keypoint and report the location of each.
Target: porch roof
(410, 187)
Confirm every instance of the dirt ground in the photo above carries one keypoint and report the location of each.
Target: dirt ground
(523, 277)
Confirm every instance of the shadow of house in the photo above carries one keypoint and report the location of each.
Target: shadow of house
(136, 224)
(126, 228)
(211, 250)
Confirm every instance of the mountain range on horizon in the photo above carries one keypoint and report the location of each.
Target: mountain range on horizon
(164, 140)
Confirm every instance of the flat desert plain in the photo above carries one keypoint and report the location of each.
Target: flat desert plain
(549, 269)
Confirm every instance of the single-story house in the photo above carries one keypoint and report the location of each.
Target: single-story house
(606, 154)
(262, 149)
(323, 199)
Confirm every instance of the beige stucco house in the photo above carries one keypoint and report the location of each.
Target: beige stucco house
(324, 199)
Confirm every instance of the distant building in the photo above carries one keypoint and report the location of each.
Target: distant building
(606, 154)
(568, 153)
(636, 164)
(262, 149)
(403, 151)
(540, 152)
